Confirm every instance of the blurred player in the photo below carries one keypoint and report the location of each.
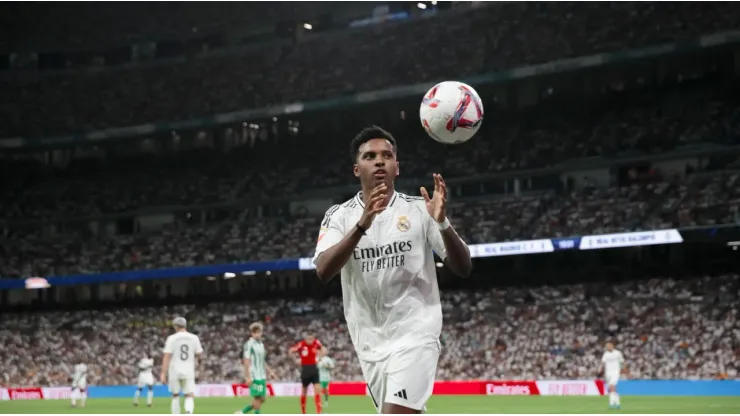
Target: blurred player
(326, 364)
(146, 378)
(308, 348)
(611, 365)
(178, 364)
(79, 385)
(382, 242)
(256, 369)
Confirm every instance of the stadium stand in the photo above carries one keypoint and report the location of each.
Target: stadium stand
(669, 327)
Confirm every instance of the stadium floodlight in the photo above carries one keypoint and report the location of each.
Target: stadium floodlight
(307, 26)
(422, 6)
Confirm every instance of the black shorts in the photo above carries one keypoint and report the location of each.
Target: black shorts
(309, 375)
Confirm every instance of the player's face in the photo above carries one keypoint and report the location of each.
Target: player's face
(376, 163)
(309, 339)
(257, 334)
(609, 346)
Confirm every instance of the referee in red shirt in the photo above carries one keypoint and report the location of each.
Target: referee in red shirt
(308, 348)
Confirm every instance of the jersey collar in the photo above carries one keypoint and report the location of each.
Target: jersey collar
(360, 201)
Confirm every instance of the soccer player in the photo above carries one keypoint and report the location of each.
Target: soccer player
(383, 241)
(308, 348)
(146, 378)
(256, 368)
(326, 364)
(178, 364)
(611, 365)
(79, 385)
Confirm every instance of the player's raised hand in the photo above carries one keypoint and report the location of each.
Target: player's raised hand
(437, 204)
(374, 206)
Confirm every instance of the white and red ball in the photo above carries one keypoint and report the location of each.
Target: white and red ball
(451, 112)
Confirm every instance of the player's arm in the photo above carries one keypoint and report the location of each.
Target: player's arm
(247, 363)
(166, 356)
(198, 354)
(336, 245)
(446, 243)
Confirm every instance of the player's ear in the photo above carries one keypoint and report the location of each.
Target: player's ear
(398, 169)
(356, 170)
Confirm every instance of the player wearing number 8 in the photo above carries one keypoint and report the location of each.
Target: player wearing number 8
(178, 364)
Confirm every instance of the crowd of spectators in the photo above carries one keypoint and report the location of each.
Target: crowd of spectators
(454, 44)
(666, 328)
(113, 184)
(704, 198)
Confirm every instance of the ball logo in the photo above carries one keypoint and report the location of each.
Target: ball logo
(403, 224)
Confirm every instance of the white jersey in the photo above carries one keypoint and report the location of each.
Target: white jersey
(146, 365)
(80, 376)
(389, 284)
(612, 361)
(183, 346)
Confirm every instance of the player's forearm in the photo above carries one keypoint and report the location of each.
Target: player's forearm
(165, 363)
(330, 262)
(458, 254)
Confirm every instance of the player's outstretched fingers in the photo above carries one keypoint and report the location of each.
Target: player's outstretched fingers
(424, 193)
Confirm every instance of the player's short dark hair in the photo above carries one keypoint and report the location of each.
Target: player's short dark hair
(367, 134)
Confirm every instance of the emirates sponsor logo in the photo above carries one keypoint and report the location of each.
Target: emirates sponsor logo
(507, 390)
(25, 395)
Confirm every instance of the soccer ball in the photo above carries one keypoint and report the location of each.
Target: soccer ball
(451, 112)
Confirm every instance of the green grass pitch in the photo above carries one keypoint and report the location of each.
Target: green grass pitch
(438, 404)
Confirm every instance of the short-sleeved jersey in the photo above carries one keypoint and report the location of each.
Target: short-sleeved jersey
(254, 350)
(80, 374)
(389, 285)
(308, 352)
(325, 366)
(613, 361)
(146, 365)
(183, 346)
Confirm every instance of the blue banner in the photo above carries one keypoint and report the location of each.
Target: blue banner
(679, 388)
(512, 248)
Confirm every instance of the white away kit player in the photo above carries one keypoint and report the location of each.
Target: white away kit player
(146, 379)
(382, 242)
(178, 364)
(79, 385)
(611, 364)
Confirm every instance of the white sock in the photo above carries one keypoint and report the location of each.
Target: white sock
(175, 406)
(84, 397)
(612, 400)
(189, 405)
(616, 398)
(136, 396)
(149, 396)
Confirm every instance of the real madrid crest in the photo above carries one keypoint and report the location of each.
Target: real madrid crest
(403, 223)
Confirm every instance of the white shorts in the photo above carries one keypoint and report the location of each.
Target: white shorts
(612, 379)
(145, 379)
(180, 383)
(81, 385)
(405, 378)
